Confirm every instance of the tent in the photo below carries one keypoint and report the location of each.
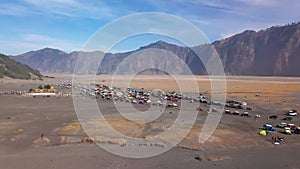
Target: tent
(263, 133)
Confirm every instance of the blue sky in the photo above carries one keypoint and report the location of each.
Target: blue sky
(67, 24)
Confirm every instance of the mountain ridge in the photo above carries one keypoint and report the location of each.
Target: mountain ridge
(271, 52)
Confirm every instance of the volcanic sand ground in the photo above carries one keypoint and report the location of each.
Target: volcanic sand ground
(235, 143)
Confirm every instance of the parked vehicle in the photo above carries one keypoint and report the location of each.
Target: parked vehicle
(227, 105)
(297, 131)
(282, 125)
(269, 127)
(228, 112)
(203, 101)
(236, 113)
(292, 113)
(244, 104)
(246, 114)
(292, 126)
(287, 130)
(172, 105)
(199, 109)
(237, 106)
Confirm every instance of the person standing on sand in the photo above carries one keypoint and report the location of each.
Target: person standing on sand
(257, 116)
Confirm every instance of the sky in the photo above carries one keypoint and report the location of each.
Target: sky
(68, 25)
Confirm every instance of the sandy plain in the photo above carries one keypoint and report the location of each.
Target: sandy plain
(235, 144)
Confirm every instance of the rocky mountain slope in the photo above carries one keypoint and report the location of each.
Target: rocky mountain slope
(271, 52)
(13, 69)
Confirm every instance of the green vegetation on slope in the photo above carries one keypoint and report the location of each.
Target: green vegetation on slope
(16, 70)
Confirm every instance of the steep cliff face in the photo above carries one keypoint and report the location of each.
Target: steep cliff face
(237, 52)
(279, 48)
(271, 52)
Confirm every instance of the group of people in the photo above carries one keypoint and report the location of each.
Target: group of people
(277, 140)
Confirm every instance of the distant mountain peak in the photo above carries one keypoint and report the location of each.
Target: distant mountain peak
(159, 45)
(47, 49)
(162, 42)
